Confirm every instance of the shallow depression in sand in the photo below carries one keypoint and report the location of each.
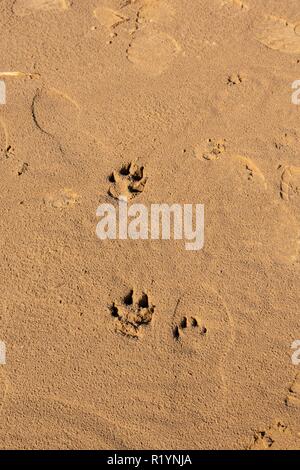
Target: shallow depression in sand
(152, 52)
(280, 35)
(26, 7)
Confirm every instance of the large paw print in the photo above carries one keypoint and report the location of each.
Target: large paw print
(132, 314)
(128, 182)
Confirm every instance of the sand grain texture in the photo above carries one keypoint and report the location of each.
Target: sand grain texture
(140, 344)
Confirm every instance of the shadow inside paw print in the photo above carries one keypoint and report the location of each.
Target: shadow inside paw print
(132, 314)
(293, 398)
(234, 79)
(187, 324)
(128, 182)
(276, 435)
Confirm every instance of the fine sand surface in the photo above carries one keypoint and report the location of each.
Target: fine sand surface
(193, 98)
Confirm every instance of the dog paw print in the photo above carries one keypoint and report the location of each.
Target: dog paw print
(187, 324)
(24, 168)
(133, 314)
(211, 149)
(272, 436)
(234, 79)
(128, 182)
(293, 398)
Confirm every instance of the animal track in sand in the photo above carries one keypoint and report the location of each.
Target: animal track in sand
(186, 325)
(274, 436)
(290, 183)
(108, 17)
(211, 149)
(128, 182)
(202, 332)
(287, 139)
(279, 34)
(234, 79)
(203, 315)
(61, 199)
(252, 171)
(6, 149)
(27, 7)
(293, 398)
(23, 169)
(152, 51)
(132, 314)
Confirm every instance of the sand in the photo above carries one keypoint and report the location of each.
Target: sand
(141, 344)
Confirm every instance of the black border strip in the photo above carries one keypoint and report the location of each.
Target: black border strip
(149, 458)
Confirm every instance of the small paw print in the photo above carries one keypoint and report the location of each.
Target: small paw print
(211, 149)
(188, 324)
(234, 79)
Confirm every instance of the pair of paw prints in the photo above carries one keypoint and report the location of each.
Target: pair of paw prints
(129, 181)
(132, 314)
(187, 325)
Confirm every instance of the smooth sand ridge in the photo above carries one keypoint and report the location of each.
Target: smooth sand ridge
(140, 343)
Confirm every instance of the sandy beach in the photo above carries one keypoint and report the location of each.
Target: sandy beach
(141, 342)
